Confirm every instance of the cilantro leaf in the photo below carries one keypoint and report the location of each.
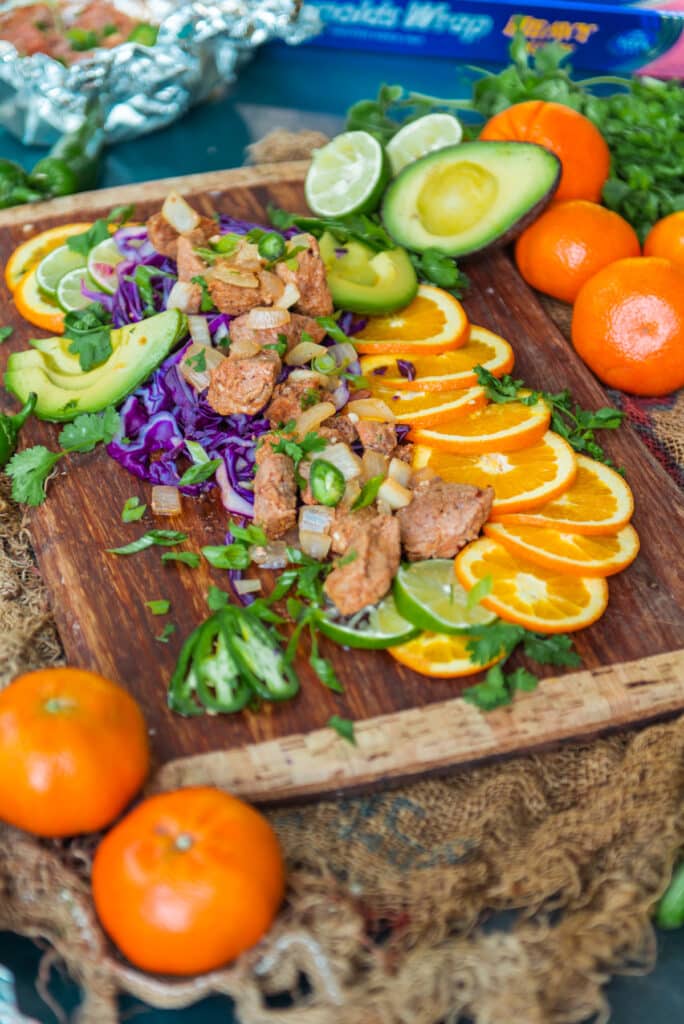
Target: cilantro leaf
(159, 607)
(189, 558)
(197, 362)
(297, 449)
(5, 333)
(89, 330)
(199, 472)
(121, 214)
(227, 556)
(206, 303)
(551, 649)
(368, 493)
(167, 632)
(132, 510)
(90, 429)
(29, 469)
(344, 727)
(87, 240)
(216, 599)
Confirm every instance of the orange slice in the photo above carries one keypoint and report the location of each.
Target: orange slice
(573, 553)
(541, 599)
(521, 480)
(599, 502)
(448, 370)
(430, 408)
(438, 655)
(29, 254)
(35, 308)
(434, 322)
(493, 428)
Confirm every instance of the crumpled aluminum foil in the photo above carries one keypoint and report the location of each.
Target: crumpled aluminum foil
(200, 48)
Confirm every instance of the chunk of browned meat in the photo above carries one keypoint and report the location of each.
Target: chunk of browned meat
(310, 278)
(240, 331)
(243, 385)
(346, 523)
(165, 238)
(291, 398)
(379, 437)
(189, 263)
(374, 552)
(231, 299)
(339, 429)
(403, 452)
(442, 518)
(275, 494)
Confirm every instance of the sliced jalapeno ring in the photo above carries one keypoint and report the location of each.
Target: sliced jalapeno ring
(271, 246)
(220, 684)
(327, 482)
(182, 688)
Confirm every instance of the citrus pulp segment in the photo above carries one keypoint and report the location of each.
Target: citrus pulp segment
(29, 254)
(433, 322)
(36, 308)
(428, 595)
(439, 656)
(574, 553)
(424, 135)
(69, 292)
(432, 407)
(504, 427)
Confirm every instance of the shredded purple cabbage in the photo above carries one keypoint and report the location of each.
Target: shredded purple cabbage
(380, 371)
(406, 369)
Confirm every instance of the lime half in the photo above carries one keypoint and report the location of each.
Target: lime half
(415, 139)
(429, 595)
(102, 263)
(69, 294)
(381, 626)
(347, 176)
(53, 267)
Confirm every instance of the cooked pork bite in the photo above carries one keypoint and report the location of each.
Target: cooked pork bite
(165, 238)
(243, 385)
(339, 429)
(240, 331)
(291, 398)
(379, 437)
(189, 263)
(275, 493)
(371, 560)
(442, 518)
(309, 278)
(346, 523)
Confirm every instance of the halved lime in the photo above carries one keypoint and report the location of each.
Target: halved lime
(381, 626)
(429, 595)
(53, 267)
(415, 139)
(102, 262)
(348, 175)
(69, 294)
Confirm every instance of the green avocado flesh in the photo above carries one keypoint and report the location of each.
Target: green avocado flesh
(365, 281)
(64, 390)
(467, 198)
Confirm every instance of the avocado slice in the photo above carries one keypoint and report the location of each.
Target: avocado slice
(365, 281)
(137, 350)
(56, 352)
(468, 198)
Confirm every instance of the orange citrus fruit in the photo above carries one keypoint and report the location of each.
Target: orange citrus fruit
(541, 599)
(521, 480)
(666, 239)
(628, 325)
(574, 553)
(577, 143)
(569, 243)
(36, 308)
(438, 655)
(434, 322)
(430, 408)
(29, 254)
(448, 370)
(598, 502)
(505, 427)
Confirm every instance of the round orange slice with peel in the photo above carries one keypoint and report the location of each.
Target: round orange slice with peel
(504, 427)
(434, 322)
(544, 600)
(438, 655)
(29, 254)
(573, 553)
(430, 408)
(36, 308)
(521, 480)
(599, 501)
(447, 371)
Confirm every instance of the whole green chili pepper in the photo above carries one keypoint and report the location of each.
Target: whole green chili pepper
(73, 163)
(10, 427)
(12, 178)
(670, 912)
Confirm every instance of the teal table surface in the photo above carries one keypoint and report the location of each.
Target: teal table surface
(294, 89)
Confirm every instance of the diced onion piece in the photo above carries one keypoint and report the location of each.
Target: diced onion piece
(291, 294)
(199, 330)
(343, 353)
(166, 501)
(232, 275)
(247, 256)
(265, 318)
(422, 476)
(199, 379)
(179, 214)
(304, 352)
(343, 458)
(247, 586)
(301, 239)
(243, 348)
(310, 376)
(394, 494)
(316, 518)
(182, 296)
(383, 508)
(315, 545)
(372, 409)
(353, 416)
(400, 471)
(271, 285)
(374, 464)
(271, 556)
(351, 492)
(312, 417)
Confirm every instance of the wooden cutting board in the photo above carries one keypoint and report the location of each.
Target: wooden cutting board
(633, 659)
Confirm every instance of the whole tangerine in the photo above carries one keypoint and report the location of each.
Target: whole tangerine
(569, 243)
(666, 239)
(188, 880)
(73, 751)
(628, 325)
(574, 139)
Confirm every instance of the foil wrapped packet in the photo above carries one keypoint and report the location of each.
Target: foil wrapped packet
(200, 47)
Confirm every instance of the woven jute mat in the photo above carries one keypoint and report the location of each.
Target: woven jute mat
(388, 895)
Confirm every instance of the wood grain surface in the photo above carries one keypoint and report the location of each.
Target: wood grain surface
(632, 660)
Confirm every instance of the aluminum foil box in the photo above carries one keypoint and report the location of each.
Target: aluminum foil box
(607, 37)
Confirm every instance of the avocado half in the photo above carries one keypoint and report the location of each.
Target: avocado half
(472, 197)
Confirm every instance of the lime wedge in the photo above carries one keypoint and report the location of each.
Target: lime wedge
(429, 595)
(69, 294)
(415, 139)
(348, 175)
(379, 627)
(102, 262)
(54, 266)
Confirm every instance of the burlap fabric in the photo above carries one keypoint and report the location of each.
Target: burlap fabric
(389, 894)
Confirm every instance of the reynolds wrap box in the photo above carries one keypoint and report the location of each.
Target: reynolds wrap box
(608, 37)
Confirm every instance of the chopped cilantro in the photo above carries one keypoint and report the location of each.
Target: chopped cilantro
(344, 727)
(159, 607)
